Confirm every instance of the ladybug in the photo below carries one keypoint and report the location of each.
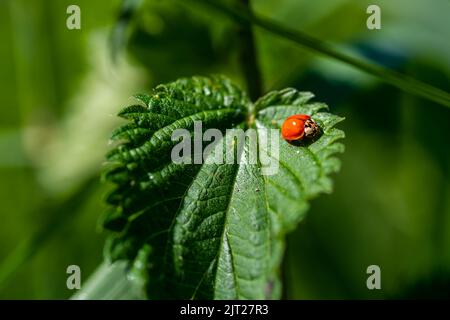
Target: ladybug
(298, 127)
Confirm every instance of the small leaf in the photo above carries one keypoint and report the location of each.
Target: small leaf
(213, 230)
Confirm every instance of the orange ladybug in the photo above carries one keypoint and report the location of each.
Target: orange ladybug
(298, 127)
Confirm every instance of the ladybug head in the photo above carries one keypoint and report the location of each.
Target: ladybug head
(312, 129)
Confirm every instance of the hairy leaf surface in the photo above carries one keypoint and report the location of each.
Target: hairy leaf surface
(206, 231)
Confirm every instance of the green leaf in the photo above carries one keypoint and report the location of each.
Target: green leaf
(207, 231)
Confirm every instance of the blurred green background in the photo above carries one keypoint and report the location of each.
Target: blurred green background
(60, 90)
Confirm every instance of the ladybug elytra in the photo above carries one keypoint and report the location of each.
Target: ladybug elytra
(298, 127)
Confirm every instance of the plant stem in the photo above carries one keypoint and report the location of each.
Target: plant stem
(109, 282)
(248, 57)
(396, 79)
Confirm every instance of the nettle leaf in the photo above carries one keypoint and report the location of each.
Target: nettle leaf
(203, 231)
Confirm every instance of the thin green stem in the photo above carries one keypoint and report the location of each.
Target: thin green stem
(110, 282)
(396, 79)
(248, 56)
